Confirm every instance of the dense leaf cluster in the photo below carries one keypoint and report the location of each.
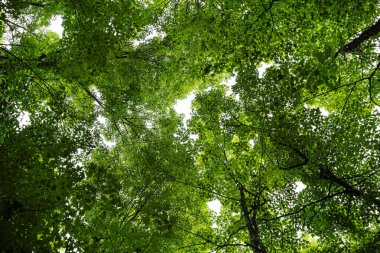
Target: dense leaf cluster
(93, 157)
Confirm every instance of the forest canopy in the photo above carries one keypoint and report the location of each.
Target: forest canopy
(290, 151)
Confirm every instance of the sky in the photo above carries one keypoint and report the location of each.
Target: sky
(56, 25)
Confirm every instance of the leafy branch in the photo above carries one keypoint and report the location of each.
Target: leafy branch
(371, 31)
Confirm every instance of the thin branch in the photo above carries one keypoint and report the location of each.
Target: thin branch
(305, 206)
(204, 189)
(368, 78)
(230, 245)
(93, 96)
(270, 6)
(299, 165)
(192, 245)
(196, 235)
(370, 84)
(234, 233)
(9, 23)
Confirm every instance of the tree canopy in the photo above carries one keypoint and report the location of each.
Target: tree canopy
(290, 147)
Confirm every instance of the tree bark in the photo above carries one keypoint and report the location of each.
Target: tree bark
(326, 174)
(364, 35)
(255, 242)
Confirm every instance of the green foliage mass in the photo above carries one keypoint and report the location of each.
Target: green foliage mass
(93, 157)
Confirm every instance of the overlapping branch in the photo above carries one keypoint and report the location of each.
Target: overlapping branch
(353, 45)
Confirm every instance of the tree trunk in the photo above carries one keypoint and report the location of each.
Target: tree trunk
(251, 224)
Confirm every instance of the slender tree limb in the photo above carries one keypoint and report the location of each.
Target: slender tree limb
(100, 103)
(208, 241)
(295, 166)
(234, 233)
(368, 78)
(229, 245)
(298, 152)
(202, 188)
(370, 84)
(305, 206)
(192, 245)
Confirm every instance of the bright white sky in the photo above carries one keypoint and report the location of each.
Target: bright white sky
(300, 186)
(184, 106)
(56, 25)
(229, 83)
(23, 119)
(215, 206)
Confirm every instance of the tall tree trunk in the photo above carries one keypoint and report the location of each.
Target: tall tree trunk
(255, 242)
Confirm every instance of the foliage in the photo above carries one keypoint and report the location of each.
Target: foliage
(310, 118)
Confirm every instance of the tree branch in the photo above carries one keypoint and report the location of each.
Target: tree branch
(364, 35)
(327, 174)
(305, 206)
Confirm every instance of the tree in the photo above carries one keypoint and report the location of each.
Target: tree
(310, 119)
